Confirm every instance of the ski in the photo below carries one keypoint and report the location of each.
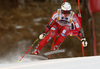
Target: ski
(32, 57)
(54, 52)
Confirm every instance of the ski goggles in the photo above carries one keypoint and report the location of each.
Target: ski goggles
(65, 12)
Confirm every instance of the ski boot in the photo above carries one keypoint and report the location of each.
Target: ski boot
(36, 51)
(55, 47)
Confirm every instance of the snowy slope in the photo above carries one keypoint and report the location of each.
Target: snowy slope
(92, 62)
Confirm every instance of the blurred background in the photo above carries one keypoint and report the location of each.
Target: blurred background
(22, 21)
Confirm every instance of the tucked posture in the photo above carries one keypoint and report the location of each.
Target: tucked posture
(60, 25)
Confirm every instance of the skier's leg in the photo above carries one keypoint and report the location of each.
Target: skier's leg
(62, 36)
(46, 39)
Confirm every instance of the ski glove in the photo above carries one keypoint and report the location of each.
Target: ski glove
(42, 35)
(84, 42)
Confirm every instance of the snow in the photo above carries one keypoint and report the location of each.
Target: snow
(19, 27)
(39, 19)
(92, 62)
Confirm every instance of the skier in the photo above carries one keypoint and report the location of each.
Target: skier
(59, 24)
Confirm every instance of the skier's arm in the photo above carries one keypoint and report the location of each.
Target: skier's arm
(77, 22)
(80, 29)
(81, 33)
(51, 22)
(49, 25)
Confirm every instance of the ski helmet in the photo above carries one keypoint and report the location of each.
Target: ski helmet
(66, 6)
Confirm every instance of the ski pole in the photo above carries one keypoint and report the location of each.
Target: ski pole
(28, 49)
(80, 15)
(82, 46)
(64, 0)
(52, 46)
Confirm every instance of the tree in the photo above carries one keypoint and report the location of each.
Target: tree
(7, 4)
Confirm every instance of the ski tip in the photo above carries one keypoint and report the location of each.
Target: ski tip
(19, 61)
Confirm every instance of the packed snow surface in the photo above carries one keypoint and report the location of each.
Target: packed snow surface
(92, 62)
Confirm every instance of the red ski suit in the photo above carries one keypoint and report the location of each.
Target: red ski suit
(58, 25)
